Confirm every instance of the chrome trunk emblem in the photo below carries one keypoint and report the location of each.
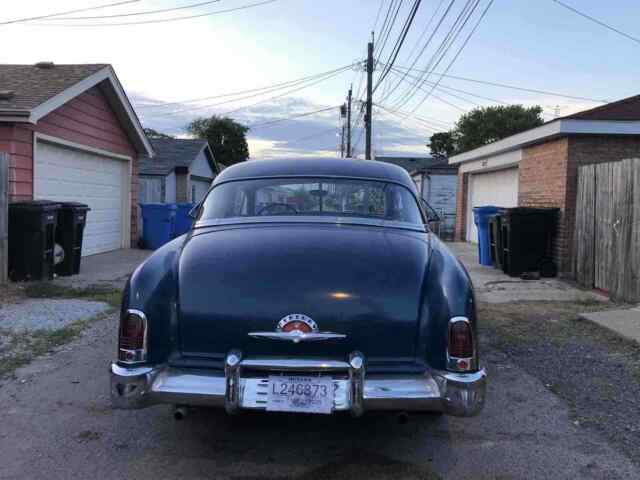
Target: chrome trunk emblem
(296, 328)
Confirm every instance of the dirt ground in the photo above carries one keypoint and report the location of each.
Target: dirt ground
(595, 371)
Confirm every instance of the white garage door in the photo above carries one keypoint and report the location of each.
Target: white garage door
(66, 174)
(498, 188)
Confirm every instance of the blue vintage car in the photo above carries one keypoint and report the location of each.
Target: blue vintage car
(309, 285)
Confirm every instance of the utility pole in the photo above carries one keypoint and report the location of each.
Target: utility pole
(342, 143)
(367, 118)
(349, 122)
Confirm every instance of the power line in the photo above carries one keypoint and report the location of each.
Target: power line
(134, 14)
(449, 40)
(462, 47)
(399, 42)
(424, 47)
(292, 117)
(68, 12)
(599, 22)
(288, 92)
(385, 34)
(512, 87)
(266, 89)
(162, 20)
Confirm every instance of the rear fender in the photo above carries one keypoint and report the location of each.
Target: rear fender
(152, 289)
(449, 293)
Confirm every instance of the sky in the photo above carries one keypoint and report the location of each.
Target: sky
(533, 44)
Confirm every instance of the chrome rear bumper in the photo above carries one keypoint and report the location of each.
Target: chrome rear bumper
(239, 386)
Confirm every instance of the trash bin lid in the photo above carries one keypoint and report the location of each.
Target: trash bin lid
(35, 205)
(76, 206)
(158, 206)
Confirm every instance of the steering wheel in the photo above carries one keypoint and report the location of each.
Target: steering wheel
(277, 204)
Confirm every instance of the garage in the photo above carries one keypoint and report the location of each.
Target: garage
(499, 188)
(99, 180)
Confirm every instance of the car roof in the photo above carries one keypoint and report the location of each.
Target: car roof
(317, 167)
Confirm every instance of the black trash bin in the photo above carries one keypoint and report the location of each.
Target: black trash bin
(527, 236)
(32, 231)
(495, 239)
(72, 217)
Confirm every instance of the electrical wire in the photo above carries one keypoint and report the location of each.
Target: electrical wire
(162, 20)
(460, 50)
(449, 40)
(292, 117)
(68, 12)
(512, 87)
(428, 42)
(267, 89)
(135, 14)
(599, 22)
(288, 92)
(399, 42)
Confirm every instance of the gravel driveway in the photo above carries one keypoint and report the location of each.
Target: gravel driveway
(57, 424)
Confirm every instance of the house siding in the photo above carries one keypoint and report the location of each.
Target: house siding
(461, 207)
(87, 120)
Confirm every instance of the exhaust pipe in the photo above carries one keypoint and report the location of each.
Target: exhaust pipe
(180, 412)
(403, 417)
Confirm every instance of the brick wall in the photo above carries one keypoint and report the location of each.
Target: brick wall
(461, 207)
(548, 178)
(543, 181)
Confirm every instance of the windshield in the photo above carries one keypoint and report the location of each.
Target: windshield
(311, 196)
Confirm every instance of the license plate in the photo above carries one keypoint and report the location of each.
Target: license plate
(300, 394)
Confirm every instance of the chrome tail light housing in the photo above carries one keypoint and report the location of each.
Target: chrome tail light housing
(461, 346)
(132, 337)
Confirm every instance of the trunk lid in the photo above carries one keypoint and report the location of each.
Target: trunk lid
(364, 282)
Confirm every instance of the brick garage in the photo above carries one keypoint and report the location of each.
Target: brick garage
(72, 135)
(547, 159)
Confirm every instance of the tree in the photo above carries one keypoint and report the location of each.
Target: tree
(485, 125)
(442, 144)
(151, 133)
(226, 137)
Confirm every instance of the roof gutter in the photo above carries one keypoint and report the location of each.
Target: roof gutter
(10, 115)
(548, 131)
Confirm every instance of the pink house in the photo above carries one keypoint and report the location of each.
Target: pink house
(72, 135)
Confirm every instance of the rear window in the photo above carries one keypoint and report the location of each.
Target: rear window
(311, 196)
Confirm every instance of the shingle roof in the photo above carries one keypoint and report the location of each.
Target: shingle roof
(171, 153)
(33, 85)
(625, 109)
(412, 164)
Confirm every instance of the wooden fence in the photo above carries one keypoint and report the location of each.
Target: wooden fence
(4, 216)
(607, 230)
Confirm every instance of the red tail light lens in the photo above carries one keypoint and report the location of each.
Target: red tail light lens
(132, 337)
(460, 339)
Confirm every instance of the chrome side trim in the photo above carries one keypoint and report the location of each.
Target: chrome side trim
(296, 336)
(232, 380)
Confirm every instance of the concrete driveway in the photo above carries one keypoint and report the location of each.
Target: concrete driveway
(493, 286)
(111, 268)
(58, 424)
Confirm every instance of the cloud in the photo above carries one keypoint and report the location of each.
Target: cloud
(309, 136)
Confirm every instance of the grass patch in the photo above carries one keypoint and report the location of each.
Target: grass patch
(96, 292)
(18, 349)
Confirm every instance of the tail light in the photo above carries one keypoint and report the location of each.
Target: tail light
(461, 352)
(132, 337)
